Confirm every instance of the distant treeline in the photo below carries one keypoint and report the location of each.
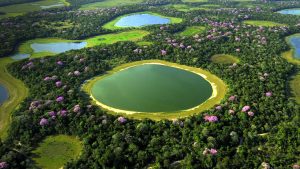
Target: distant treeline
(11, 2)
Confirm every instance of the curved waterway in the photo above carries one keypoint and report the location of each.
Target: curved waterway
(294, 40)
(137, 20)
(152, 88)
(295, 11)
(3, 94)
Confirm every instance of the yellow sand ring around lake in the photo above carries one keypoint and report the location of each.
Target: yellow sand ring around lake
(219, 89)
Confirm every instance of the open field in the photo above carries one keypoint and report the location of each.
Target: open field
(219, 91)
(263, 23)
(192, 30)
(111, 25)
(224, 59)
(109, 3)
(55, 151)
(17, 93)
(185, 8)
(133, 35)
(20, 9)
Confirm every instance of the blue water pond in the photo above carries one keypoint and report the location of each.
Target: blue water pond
(20, 56)
(58, 47)
(137, 20)
(295, 11)
(3, 94)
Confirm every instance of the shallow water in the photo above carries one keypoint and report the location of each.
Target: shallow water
(152, 88)
(20, 56)
(3, 94)
(290, 11)
(58, 47)
(295, 42)
(52, 6)
(137, 20)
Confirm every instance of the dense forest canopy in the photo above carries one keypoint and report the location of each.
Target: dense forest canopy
(11, 2)
(255, 126)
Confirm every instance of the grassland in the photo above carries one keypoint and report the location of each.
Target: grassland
(109, 3)
(17, 93)
(193, 1)
(263, 23)
(185, 8)
(111, 25)
(192, 30)
(55, 151)
(133, 35)
(20, 9)
(224, 59)
(219, 91)
(295, 86)
(144, 43)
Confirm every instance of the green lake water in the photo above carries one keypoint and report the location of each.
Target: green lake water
(152, 88)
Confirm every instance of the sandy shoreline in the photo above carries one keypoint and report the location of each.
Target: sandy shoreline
(213, 85)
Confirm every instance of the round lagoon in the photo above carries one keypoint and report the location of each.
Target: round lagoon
(3, 94)
(58, 47)
(295, 11)
(152, 87)
(137, 20)
(294, 40)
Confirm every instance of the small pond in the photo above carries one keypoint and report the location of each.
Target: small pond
(152, 88)
(137, 20)
(295, 42)
(58, 47)
(20, 56)
(295, 11)
(3, 94)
